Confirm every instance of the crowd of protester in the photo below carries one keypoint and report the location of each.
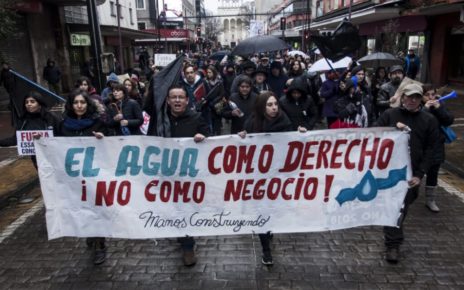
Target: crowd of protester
(265, 93)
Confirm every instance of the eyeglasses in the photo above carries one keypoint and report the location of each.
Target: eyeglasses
(178, 98)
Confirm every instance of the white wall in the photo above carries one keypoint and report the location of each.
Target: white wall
(106, 17)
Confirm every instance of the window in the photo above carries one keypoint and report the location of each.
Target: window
(112, 9)
(131, 16)
(142, 25)
(140, 4)
(120, 11)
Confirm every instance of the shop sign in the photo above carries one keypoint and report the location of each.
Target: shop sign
(80, 39)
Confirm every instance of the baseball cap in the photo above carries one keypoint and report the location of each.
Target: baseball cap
(396, 68)
(412, 89)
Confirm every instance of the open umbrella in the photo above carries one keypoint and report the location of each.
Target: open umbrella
(322, 65)
(219, 55)
(377, 59)
(257, 44)
(295, 52)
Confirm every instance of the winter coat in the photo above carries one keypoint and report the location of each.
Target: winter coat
(350, 109)
(237, 80)
(105, 94)
(301, 112)
(329, 91)
(258, 89)
(131, 112)
(446, 119)
(245, 105)
(52, 74)
(277, 84)
(386, 91)
(194, 101)
(32, 122)
(424, 136)
(281, 123)
(188, 124)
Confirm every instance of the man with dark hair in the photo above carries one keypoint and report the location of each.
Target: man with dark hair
(185, 123)
(424, 132)
(388, 90)
(411, 64)
(197, 90)
(52, 75)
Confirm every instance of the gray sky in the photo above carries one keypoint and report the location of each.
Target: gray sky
(211, 5)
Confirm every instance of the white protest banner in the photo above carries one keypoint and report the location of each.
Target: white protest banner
(163, 59)
(25, 140)
(152, 187)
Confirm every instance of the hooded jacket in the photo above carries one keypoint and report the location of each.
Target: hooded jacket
(301, 112)
(277, 83)
(245, 105)
(105, 94)
(281, 123)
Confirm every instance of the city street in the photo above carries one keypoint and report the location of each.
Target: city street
(212, 117)
(432, 256)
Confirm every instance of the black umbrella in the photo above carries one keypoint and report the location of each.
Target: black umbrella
(378, 59)
(219, 55)
(257, 44)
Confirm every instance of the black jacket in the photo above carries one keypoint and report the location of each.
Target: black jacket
(245, 105)
(281, 123)
(188, 124)
(444, 118)
(277, 84)
(29, 122)
(301, 112)
(424, 135)
(131, 111)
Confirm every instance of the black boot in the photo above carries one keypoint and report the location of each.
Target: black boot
(100, 252)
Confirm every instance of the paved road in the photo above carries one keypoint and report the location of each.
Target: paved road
(433, 258)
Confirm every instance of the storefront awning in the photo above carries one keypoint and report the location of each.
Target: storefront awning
(403, 24)
(366, 15)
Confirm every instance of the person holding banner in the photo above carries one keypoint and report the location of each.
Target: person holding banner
(82, 118)
(267, 117)
(423, 128)
(35, 117)
(185, 123)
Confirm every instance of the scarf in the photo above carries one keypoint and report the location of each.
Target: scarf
(78, 124)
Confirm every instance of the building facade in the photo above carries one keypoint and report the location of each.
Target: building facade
(434, 29)
(235, 18)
